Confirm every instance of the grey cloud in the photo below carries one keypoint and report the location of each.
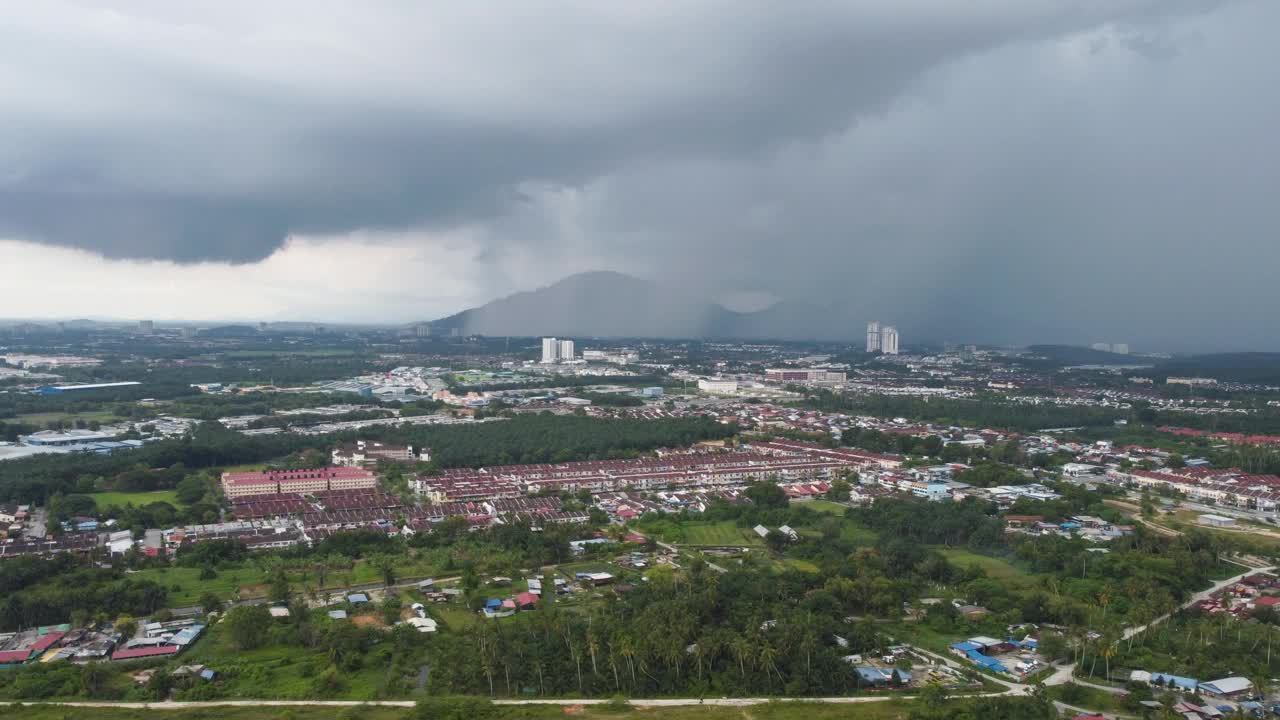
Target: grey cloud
(1002, 170)
(160, 131)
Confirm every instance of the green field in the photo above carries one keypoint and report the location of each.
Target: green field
(43, 419)
(724, 532)
(103, 500)
(185, 586)
(824, 506)
(995, 568)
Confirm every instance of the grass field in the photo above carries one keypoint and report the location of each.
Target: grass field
(857, 534)
(803, 565)
(43, 419)
(719, 533)
(890, 710)
(185, 586)
(824, 506)
(104, 500)
(699, 533)
(995, 567)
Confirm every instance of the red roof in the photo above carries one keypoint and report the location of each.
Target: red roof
(526, 598)
(14, 656)
(1267, 601)
(133, 653)
(46, 641)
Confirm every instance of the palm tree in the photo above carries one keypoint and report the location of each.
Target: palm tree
(742, 651)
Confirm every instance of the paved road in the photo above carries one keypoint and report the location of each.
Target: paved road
(642, 703)
(1202, 595)
(38, 517)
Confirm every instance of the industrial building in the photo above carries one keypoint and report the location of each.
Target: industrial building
(60, 389)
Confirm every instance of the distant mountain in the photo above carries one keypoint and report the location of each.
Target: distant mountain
(1245, 367)
(1076, 355)
(610, 304)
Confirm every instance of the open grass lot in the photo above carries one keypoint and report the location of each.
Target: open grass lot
(104, 500)
(247, 467)
(702, 533)
(802, 565)
(719, 533)
(824, 506)
(43, 419)
(285, 671)
(995, 567)
(1187, 520)
(891, 710)
(185, 586)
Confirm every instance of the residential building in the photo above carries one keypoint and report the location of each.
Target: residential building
(873, 336)
(566, 350)
(367, 453)
(146, 327)
(550, 350)
(272, 482)
(889, 340)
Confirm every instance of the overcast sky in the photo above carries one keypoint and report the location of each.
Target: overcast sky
(990, 170)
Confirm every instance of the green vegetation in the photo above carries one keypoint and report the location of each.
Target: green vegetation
(104, 500)
(692, 532)
(445, 708)
(995, 568)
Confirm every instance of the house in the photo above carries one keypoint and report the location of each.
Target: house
(526, 600)
(595, 578)
(973, 653)
(1270, 601)
(1184, 684)
(761, 530)
(422, 624)
(357, 598)
(973, 612)
(337, 614)
(1228, 688)
(877, 677)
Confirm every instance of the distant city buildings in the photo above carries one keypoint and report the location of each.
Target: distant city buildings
(555, 350)
(804, 375)
(889, 340)
(882, 339)
(718, 386)
(1117, 348)
(146, 327)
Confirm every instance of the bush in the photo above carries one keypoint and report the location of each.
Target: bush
(454, 708)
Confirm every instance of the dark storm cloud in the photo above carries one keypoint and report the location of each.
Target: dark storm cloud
(203, 132)
(996, 170)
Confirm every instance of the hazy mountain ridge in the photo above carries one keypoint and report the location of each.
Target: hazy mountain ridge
(610, 304)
